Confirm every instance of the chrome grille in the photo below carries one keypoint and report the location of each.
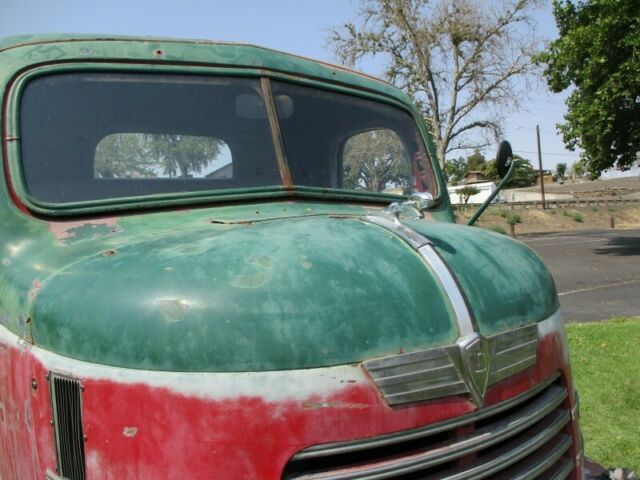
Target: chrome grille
(439, 372)
(67, 423)
(525, 437)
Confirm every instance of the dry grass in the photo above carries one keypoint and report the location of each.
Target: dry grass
(556, 220)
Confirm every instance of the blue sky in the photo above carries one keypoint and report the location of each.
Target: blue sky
(299, 27)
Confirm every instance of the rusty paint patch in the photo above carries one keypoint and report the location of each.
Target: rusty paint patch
(130, 432)
(66, 230)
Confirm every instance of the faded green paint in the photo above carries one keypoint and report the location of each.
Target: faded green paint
(174, 291)
(271, 279)
(505, 282)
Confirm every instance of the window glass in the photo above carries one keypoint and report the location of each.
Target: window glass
(144, 155)
(376, 161)
(334, 140)
(87, 136)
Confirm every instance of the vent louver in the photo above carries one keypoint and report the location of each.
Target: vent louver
(67, 423)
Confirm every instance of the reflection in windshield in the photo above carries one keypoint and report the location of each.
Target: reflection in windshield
(97, 136)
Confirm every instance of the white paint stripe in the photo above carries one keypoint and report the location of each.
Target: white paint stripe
(569, 243)
(273, 386)
(598, 287)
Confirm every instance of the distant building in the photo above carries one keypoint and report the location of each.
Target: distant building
(473, 176)
(546, 174)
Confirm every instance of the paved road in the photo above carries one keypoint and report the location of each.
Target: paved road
(597, 272)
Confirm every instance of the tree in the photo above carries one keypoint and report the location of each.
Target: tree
(524, 174)
(455, 170)
(459, 60)
(561, 170)
(578, 169)
(467, 192)
(375, 161)
(598, 55)
(476, 161)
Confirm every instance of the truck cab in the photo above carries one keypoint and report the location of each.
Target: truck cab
(223, 261)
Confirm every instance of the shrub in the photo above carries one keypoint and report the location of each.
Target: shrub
(503, 213)
(513, 219)
(577, 217)
(594, 209)
(498, 229)
(565, 213)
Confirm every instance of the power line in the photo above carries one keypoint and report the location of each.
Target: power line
(551, 153)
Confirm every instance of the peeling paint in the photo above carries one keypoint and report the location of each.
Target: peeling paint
(65, 232)
(130, 432)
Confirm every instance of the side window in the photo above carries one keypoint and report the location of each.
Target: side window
(376, 161)
(161, 156)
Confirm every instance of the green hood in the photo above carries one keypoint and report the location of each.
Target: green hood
(299, 292)
(249, 288)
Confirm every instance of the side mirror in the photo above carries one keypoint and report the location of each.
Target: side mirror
(504, 157)
(505, 166)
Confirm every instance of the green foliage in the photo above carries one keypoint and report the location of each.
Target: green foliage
(594, 209)
(476, 161)
(604, 360)
(514, 218)
(577, 217)
(523, 176)
(565, 213)
(612, 210)
(454, 170)
(467, 192)
(561, 170)
(375, 161)
(503, 213)
(498, 229)
(597, 54)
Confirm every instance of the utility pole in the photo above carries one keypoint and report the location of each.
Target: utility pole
(544, 202)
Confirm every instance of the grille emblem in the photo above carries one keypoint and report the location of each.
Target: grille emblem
(473, 365)
(468, 367)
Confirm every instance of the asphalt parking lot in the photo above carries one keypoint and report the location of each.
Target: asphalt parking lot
(597, 272)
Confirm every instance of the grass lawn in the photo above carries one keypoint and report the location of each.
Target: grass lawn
(605, 358)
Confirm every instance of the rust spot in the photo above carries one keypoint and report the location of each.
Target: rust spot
(337, 404)
(158, 52)
(130, 432)
(109, 253)
(65, 230)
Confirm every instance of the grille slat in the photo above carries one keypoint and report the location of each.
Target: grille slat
(501, 438)
(67, 423)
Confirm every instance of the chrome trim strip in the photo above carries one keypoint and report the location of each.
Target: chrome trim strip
(546, 463)
(339, 448)
(463, 316)
(490, 435)
(410, 236)
(521, 451)
(565, 471)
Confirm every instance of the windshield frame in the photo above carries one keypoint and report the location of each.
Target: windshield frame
(18, 188)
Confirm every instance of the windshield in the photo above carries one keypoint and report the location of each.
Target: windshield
(96, 136)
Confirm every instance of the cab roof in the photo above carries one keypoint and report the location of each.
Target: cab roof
(18, 52)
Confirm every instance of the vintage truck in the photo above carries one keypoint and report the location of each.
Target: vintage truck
(222, 261)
